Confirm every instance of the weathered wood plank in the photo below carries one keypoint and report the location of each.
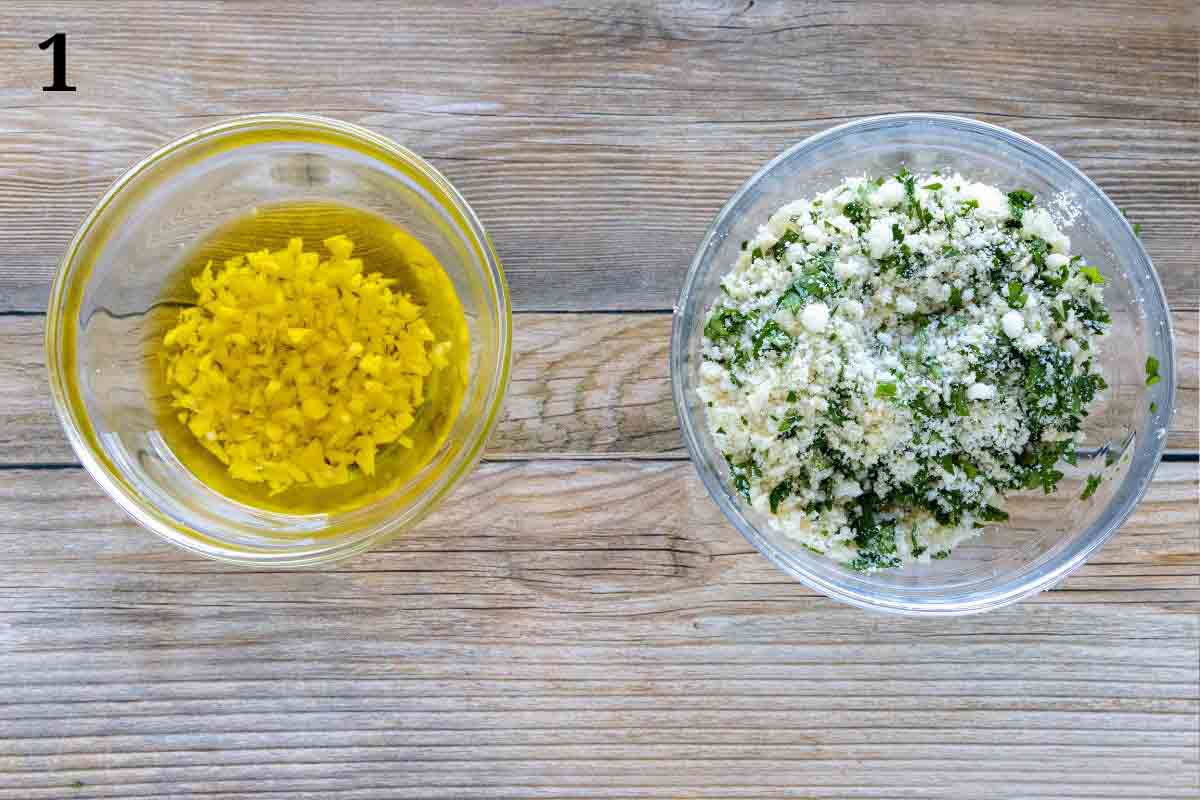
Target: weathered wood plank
(591, 139)
(571, 629)
(575, 629)
(582, 384)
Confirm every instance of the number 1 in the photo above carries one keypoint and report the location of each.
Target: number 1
(59, 41)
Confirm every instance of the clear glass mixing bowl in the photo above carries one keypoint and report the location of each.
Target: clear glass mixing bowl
(114, 289)
(1047, 536)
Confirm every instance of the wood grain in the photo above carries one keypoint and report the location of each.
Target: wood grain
(579, 621)
(576, 629)
(617, 130)
(582, 384)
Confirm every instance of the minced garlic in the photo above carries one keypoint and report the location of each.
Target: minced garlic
(292, 370)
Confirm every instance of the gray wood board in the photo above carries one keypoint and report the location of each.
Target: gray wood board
(576, 629)
(578, 620)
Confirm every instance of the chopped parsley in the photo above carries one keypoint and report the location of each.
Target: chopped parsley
(779, 494)
(876, 547)
(1093, 483)
(771, 339)
(779, 249)
(898, 377)
(816, 281)
(1137, 227)
(856, 211)
(1152, 376)
(1016, 294)
(958, 398)
(956, 298)
(725, 324)
(742, 472)
(1018, 202)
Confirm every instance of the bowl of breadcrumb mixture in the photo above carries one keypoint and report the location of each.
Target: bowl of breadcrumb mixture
(923, 364)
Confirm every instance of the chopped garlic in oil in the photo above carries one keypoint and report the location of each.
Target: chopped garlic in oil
(296, 370)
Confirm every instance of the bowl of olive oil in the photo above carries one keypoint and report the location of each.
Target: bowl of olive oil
(279, 340)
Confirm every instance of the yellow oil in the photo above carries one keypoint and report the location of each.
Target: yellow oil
(384, 248)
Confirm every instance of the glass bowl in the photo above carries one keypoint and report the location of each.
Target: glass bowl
(1047, 536)
(120, 279)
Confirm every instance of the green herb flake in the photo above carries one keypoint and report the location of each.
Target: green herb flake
(1018, 201)
(836, 407)
(725, 324)
(856, 211)
(1152, 376)
(791, 396)
(956, 298)
(1021, 198)
(779, 249)
(1016, 297)
(1092, 274)
(787, 428)
(742, 473)
(885, 390)
(1038, 248)
(876, 543)
(917, 548)
(1153, 407)
(958, 398)
(779, 494)
(1137, 226)
(932, 187)
(771, 338)
(993, 514)
(1093, 483)
(816, 280)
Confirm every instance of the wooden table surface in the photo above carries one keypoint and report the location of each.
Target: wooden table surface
(579, 620)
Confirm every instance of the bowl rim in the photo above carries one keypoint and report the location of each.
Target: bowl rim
(101, 468)
(1013, 590)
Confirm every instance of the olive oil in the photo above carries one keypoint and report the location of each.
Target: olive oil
(384, 248)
